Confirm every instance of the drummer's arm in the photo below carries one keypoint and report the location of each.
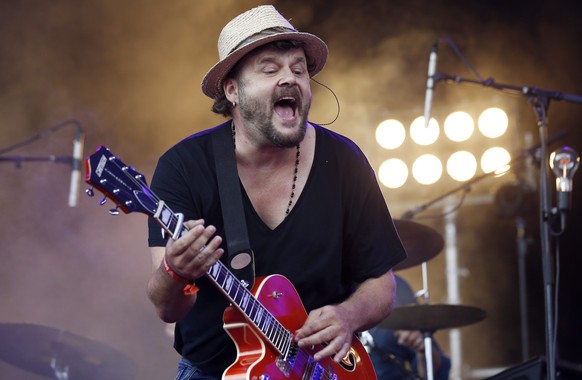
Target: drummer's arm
(414, 340)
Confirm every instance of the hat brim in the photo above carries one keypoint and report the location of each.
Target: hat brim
(315, 49)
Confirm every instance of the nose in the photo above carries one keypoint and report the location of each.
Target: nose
(288, 77)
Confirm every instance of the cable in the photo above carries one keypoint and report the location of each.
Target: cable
(41, 135)
(336, 101)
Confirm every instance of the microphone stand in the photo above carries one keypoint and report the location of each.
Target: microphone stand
(18, 160)
(540, 101)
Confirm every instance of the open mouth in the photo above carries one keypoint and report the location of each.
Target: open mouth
(286, 107)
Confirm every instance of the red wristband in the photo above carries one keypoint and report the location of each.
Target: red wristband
(190, 288)
(173, 273)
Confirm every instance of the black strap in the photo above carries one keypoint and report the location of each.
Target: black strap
(240, 254)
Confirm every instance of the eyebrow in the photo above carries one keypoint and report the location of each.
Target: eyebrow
(272, 57)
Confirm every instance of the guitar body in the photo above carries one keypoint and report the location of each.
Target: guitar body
(257, 359)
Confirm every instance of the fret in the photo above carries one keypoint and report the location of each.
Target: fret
(228, 284)
(238, 295)
(259, 319)
(214, 269)
(245, 301)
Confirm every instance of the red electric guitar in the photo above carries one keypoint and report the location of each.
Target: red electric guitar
(261, 322)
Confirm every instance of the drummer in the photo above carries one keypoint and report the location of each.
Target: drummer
(400, 354)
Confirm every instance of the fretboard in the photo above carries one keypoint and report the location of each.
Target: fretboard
(236, 292)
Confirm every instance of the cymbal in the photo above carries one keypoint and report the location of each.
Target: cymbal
(52, 352)
(432, 317)
(421, 242)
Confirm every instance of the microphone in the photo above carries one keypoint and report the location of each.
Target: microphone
(430, 82)
(76, 167)
(564, 162)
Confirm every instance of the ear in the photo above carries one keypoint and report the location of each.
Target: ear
(230, 89)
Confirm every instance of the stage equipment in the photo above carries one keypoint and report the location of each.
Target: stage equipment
(432, 317)
(74, 160)
(539, 100)
(421, 243)
(430, 82)
(62, 355)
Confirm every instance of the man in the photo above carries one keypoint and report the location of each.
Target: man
(313, 207)
(400, 354)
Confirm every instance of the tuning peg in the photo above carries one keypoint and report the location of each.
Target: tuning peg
(89, 192)
(114, 211)
(103, 201)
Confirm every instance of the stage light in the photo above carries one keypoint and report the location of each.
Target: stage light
(390, 134)
(427, 169)
(393, 173)
(462, 166)
(424, 135)
(493, 122)
(495, 159)
(460, 151)
(459, 126)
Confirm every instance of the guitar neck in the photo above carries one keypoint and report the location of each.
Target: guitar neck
(233, 288)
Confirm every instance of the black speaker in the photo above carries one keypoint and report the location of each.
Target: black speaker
(535, 369)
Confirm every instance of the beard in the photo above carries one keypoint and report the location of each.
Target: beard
(260, 114)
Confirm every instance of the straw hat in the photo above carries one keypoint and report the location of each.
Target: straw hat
(248, 31)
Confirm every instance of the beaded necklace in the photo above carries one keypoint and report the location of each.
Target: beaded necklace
(293, 185)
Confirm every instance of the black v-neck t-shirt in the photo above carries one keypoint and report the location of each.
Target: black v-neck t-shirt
(339, 232)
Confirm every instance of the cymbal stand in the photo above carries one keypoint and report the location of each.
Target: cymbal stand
(60, 369)
(60, 373)
(428, 354)
(427, 335)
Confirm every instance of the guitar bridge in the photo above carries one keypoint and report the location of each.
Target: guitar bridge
(287, 363)
(309, 368)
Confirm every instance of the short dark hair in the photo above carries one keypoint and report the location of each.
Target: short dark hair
(222, 106)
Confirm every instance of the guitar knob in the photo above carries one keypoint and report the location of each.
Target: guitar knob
(264, 377)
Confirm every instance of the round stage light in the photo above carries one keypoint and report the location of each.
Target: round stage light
(459, 126)
(390, 134)
(424, 135)
(493, 122)
(427, 169)
(393, 173)
(462, 166)
(495, 159)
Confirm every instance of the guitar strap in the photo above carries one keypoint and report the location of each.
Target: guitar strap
(240, 254)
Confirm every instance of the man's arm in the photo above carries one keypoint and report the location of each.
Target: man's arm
(189, 257)
(335, 325)
(166, 294)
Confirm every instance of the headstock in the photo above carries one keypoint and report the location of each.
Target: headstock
(120, 183)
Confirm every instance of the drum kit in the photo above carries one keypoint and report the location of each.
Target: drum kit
(62, 355)
(422, 243)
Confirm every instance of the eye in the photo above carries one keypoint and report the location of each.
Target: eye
(270, 69)
(299, 70)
